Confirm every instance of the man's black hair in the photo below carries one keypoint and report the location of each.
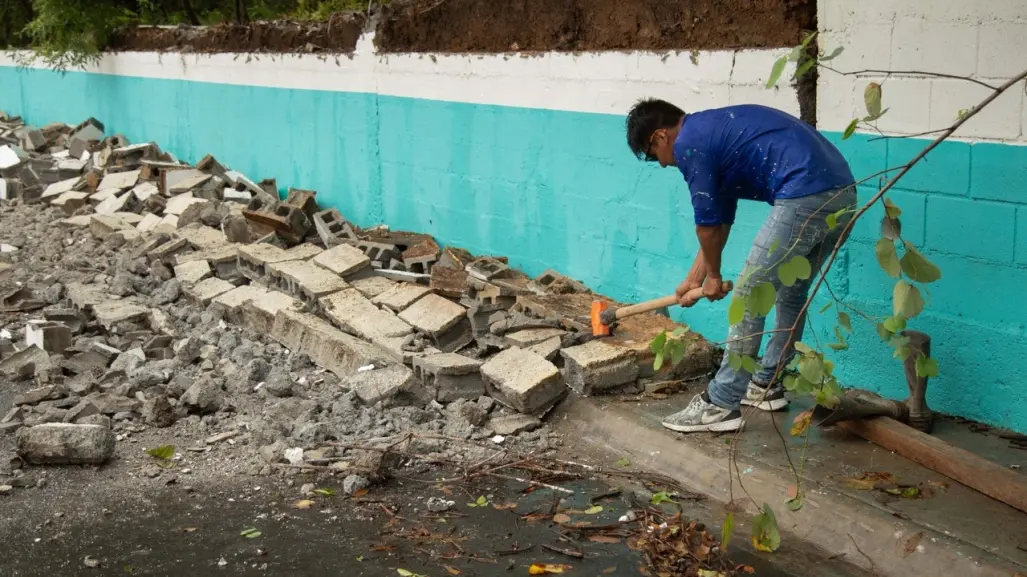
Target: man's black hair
(646, 117)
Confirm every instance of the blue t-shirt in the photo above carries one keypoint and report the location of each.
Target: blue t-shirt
(753, 152)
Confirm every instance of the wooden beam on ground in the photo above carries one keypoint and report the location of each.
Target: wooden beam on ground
(980, 474)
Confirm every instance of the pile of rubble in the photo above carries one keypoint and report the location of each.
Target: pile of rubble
(172, 292)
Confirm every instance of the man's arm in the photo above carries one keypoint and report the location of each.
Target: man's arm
(713, 219)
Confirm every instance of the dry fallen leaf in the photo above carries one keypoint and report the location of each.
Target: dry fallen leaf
(869, 480)
(560, 519)
(359, 493)
(188, 529)
(801, 423)
(609, 539)
(911, 544)
(304, 504)
(609, 570)
(505, 506)
(547, 569)
(452, 570)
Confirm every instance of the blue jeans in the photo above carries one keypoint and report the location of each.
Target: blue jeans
(796, 226)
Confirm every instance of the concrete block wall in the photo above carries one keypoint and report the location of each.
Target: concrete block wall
(965, 205)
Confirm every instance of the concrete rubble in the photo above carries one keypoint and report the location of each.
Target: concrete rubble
(191, 298)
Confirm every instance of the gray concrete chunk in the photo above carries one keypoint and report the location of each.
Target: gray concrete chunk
(343, 260)
(259, 314)
(326, 345)
(304, 280)
(65, 444)
(529, 337)
(401, 296)
(192, 272)
(523, 381)
(111, 312)
(372, 286)
(448, 376)
(434, 314)
(514, 424)
(353, 313)
(207, 290)
(597, 366)
(377, 385)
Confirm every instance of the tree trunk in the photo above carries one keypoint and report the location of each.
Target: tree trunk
(190, 13)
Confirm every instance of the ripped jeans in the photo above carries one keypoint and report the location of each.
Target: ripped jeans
(796, 226)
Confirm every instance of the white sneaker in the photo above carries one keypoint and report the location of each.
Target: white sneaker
(764, 398)
(700, 416)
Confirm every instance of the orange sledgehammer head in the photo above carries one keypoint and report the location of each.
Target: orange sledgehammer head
(599, 328)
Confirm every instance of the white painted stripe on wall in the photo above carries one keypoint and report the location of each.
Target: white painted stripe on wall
(603, 82)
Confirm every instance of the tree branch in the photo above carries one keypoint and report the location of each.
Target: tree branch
(888, 73)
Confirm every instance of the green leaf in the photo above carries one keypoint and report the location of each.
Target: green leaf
(809, 38)
(901, 353)
(926, 367)
(791, 271)
(791, 382)
(750, 365)
(661, 497)
(594, 510)
(762, 299)
(906, 300)
(827, 306)
(839, 346)
(803, 386)
(727, 530)
(677, 352)
(883, 332)
(795, 503)
(775, 72)
(326, 492)
(164, 452)
(656, 345)
(850, 129)
(734, 360)
(834, 54)
(832, 219)
(736, 311)
(773, 247)
(804, 68)
(917, 267)
(891, 228)
(891, 210)
(765, 534)
(872, 99)
(250, 533)
(680, 332)
(658, 362)
(795, 54)
(812, 369)
(482, 501)
(845, 321)
(623, 462)
(887, 257)
(802, 347)
(893, 325)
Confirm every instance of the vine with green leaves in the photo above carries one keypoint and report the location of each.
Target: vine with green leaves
(810, 371)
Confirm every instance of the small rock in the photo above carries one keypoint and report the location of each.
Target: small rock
(439, 505)
(307, 489)
(203, 397)
(157, 412)
(294, 455)
(514, 424)
(279, 383)
(6, 489)
(257, 370)
(65, 444)
(354, 483)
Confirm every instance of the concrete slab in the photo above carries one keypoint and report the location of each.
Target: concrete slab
(433, 314)
(259, 314)
(523, 381)
(304, 251)
(326, 345)
(343, 260)
(372, 286)
(176, 205)
(380, 384)
(598, 366)
(254, 258)
(401, 296)
(448, 376)
(148, 223)
(547, 349)
(129, 217)
(207, 290)
(119, 180)
(528, 337)
(202, 237)
(304, 280)
(110, 312)
(353, 313)
(70, 201)
(234, 299)
(193, 271)
(114, 203)
(103, 226)
(76, 221)
(85, 297)
(60, 187)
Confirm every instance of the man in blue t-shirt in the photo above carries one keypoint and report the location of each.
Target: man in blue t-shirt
(748, 152)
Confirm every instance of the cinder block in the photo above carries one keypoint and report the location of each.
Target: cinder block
(381, 384)
(343, 260)
(207, 290)
(304, 251)
(52, 337)
(922, 44)
(332, 228)
(254, 258)
(119, 180)
(353, 313)
(487, 268)
(401, 296)
(420, 257)
(597, 366)
(454, 257)
(523, 381)
(103, 226)
(234, 299)
(327, 346)
(372, 286)
(259, 314)
(529, 337)
(998, 40)
(956, 225)
(192, 272)
(304, 200)
(448, 376)
(90, 129)
(381, 254)
(304, 280)
(997, 172)
(111, 312)
(433, 314)
(10, 189)
(547, 349)
(997, 120)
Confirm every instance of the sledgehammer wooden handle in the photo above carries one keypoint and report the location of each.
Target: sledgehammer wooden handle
(669, 300)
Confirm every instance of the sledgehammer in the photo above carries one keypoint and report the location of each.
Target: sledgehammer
(603, 318)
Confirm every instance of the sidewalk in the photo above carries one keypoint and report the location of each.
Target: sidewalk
(964, 532)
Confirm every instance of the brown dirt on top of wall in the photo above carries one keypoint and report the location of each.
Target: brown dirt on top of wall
(580, 25)
(340, 34)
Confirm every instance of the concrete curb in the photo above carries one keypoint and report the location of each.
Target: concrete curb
(831, 521)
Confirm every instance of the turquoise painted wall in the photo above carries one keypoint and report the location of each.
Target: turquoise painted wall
(560, 190)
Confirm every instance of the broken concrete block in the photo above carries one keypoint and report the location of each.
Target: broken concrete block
(169, 251)
(401, 349)
(254, 258)
(304, 280)
(192, 272)
(70, 201)
(103, 226)
(202, 237)
(343, 260)
(58, 188)
(420, 257)
(448, 376)
(487, 268)
(332, 228)
(85, 297)
(65, 444)
(35, 396)
(91, 129)
(129, 217)
(122, 202)
(380, 384)
(433, 314)
(210, 165)
(553, 282)
(598, 366)
(400, 297)
(305, 251)
(234, 299)
(523, 381)
(326, 345)
(448, 281)
(355, 314)
(289, 222)
(148, 223)
(182, 181)
(84, 409)
(372, 286)
(547, 349)
(111, 312)
(259, 314)
(11, 157)
(176, 205)
(119, 180)
(528, 337)
(81, 221)
(207, 290)
(10, 189)
(50, 336)
(514, 424)
(303, 200)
